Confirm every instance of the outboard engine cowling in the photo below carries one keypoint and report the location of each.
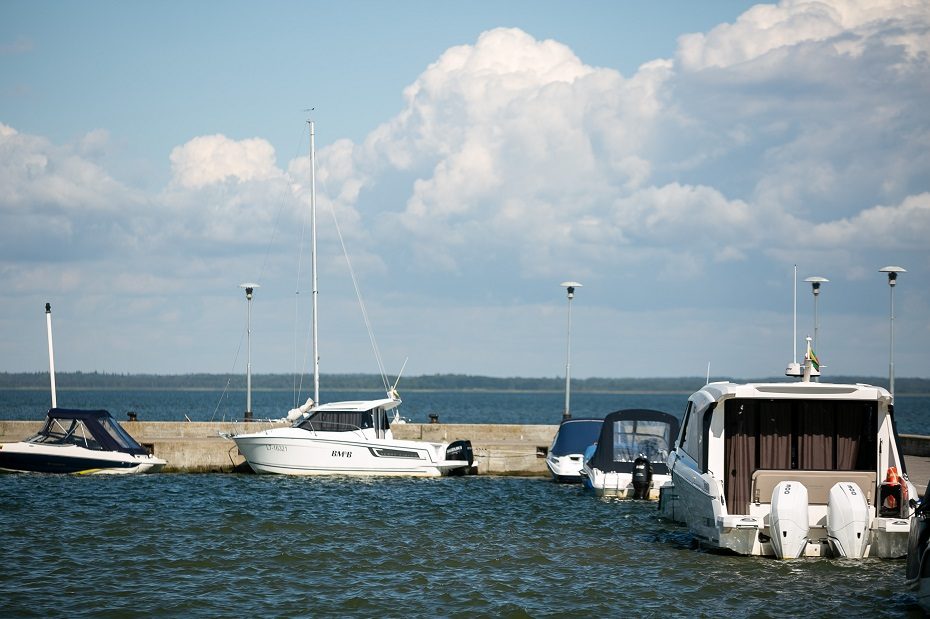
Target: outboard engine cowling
(789, 521)
(460, 450)
(847, 520)
(642, 477)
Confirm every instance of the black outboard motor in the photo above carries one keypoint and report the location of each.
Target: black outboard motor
(642, 477)
(460, 450)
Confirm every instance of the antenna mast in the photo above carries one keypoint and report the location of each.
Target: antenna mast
(51, 353)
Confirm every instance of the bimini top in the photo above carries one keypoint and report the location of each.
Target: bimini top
(628, 433)
(358, 405)
(575, 435)
(89, 429)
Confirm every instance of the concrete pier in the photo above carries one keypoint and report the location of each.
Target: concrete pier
(500, 449)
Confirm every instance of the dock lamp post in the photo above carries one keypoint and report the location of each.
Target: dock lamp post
(249, 288)
(570, 287)
(815, 283)
(892, 272)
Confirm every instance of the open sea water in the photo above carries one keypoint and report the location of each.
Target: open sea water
(222, 545)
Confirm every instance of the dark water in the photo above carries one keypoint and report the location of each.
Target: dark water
(231, 545)
(245, 545)
(911, 412)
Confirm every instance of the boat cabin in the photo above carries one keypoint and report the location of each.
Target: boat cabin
(350, 417)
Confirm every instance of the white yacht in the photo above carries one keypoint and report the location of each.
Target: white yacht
(792, 469)
(629, 457)
(345, 438)
(79, 441)
(349, 438)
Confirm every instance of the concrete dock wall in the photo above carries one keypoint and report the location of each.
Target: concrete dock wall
(500, 449)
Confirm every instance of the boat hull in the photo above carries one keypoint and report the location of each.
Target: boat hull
(620, 485)
(290, 451)
(71, 459)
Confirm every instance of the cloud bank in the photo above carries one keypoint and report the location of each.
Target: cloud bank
(797, 133)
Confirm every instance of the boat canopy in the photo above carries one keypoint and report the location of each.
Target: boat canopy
(626, 434)
(575, 435)
(91, 429)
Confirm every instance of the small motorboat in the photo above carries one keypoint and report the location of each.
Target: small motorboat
(918, 553)
(628, 460)
(79, 441)
(566, 454)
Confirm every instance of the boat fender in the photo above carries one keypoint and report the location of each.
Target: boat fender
(893, 495)
(642, 477)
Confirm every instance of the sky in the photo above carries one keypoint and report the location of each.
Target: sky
(680, 160)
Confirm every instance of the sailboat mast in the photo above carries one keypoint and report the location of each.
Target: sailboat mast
(51, 353)
(315, 293)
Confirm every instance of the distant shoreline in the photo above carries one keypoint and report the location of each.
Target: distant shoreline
(422, 384)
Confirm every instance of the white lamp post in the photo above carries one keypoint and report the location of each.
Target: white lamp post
(892, 272)
(570, 287)
(249, 287)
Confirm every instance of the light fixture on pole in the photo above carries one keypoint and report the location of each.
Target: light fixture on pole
(815, 283)
(892, 272)
(570, 287)
(249, 287)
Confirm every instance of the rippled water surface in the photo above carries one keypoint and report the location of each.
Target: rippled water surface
(245, 545)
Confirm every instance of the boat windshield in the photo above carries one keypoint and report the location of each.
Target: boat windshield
(575, 436)
(118, 434)
(633, 437)
(66, 432)
(344, 421)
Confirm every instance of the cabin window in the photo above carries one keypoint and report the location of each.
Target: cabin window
(337, 421)
(807, 435)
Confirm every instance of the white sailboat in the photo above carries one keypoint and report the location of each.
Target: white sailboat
(345, 438)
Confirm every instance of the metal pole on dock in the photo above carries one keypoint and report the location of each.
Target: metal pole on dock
(892, 272)
(570, 287)
(249, 288)
(51, 353)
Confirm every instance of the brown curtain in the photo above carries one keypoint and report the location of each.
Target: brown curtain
(815, 435)
(740, 453)
(853, 422)
(775, 435)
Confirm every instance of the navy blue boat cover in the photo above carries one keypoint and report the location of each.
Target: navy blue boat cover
(628, 433)
(106, 431)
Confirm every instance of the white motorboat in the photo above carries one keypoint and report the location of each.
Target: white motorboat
(918, 553)
(792, 469)
(79, 441)
(629, 458)
(349, 438)
(345, 438)
(566, 454)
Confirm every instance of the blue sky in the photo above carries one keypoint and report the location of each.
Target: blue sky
(677, 158)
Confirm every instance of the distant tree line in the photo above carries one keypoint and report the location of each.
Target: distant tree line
(432, 382)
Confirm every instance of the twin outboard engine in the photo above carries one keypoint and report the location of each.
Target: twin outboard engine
(847, 520)
(789, 521)
(642, 477)
(460, 450)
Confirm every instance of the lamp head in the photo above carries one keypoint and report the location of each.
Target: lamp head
(570, 286)
(249, 287)
(815, 283)
(892, 272)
